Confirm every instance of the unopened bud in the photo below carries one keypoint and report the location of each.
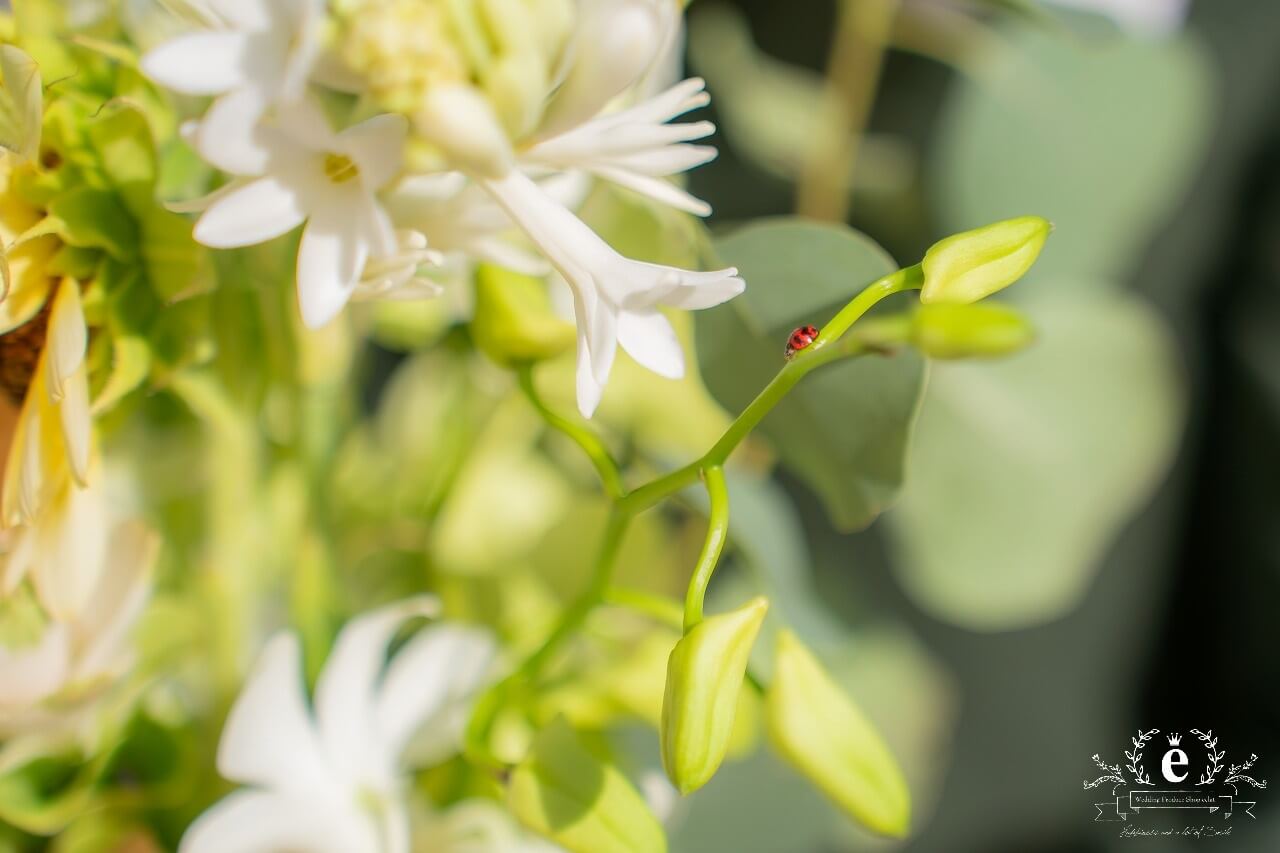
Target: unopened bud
(704, 680)
(973, 265)
(980, 330)
(817, 728)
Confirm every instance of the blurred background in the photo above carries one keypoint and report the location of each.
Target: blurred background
(1106, 555)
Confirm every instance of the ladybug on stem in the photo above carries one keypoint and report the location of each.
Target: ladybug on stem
(800, 339)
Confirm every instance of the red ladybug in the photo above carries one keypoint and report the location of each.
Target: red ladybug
(801, 338)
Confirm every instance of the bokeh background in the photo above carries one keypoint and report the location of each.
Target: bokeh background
(1121, 570)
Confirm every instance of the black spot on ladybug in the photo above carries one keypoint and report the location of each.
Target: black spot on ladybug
(800, 338)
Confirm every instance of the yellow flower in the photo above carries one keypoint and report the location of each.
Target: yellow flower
(43, 340)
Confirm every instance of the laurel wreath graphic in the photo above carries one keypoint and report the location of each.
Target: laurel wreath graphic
(1236, 774)
(1215, 756)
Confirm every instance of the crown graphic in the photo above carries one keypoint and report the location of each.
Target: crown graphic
(1175, 739)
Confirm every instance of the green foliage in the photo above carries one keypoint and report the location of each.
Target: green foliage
(563, 791)
(1098, 136)
(1085, 421)
(844, 431)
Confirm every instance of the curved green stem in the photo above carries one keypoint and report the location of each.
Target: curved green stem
(657, 607)
(590, 443)
(717, 535)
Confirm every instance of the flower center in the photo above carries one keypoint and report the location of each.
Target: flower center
(20, 352)
(340, 168)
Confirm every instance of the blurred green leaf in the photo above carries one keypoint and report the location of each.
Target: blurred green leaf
(844, 430)
(95, 219)
(1100, 136)
(1023, 470)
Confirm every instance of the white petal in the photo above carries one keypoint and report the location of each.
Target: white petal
(117, 601)
(269, 738)
(706, 290)
(265, 822)
(202, 63)
(427, 683)
(615, 43)
(33, 673)
(377, 147)
(331, 258)
(73, 533)
(259, 211)
(647, 337)
(230, 135)
(658, 189)
(345, 693)
(589, 390)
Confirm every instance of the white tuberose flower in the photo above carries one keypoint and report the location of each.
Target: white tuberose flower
(260, 54)
(326, 179)
(616, 299)
(333, 783)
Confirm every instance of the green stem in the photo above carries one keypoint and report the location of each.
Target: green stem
(717, 534)
(657, 607)
(590, 443)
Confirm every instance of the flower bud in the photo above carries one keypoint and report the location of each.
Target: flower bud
(564, 792)
(704, 680)
(823, 735)
(981, 330)
(461, 121)
(513, 322)
(973, 265)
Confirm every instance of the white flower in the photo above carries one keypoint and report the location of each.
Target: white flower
(261, 55)
(328, 180)
(44, 683)
(616, 300)
(635, 148)
(333, 782)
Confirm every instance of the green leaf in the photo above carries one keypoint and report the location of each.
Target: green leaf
(21, 103)
(130, 364)
(564, 792)
(1100, 136)
(843, 430)
(122, 140)
(1023, 470)
(95, 219)
(177, 266)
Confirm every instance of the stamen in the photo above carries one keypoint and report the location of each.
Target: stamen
(20, 353)
(340, 168)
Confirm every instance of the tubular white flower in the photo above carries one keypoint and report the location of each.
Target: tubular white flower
(614, 44)
(328, 180)
(616, 300)
(333, 781)
(261, 56)
(636, 148)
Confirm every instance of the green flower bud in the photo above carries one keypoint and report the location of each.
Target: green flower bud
(981, 330)
(704, 680)
(973, 265)
(563, 792)
(823, 735)
(513, 321)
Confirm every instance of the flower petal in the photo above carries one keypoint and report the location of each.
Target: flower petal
(345, 693)
(33, 673)
(230, 135)
(269, 738)
(331, 258)
(202, 63)
(706, 289)
(377, 147)
(647, 337)
(73, 531)
(259, 211)
(121, 593)
(427, 686)
(262, 821)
